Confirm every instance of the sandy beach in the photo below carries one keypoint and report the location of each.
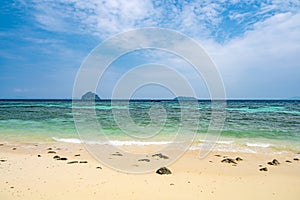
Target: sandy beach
(29, 171)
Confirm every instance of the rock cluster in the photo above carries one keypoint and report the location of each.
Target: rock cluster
(274, 162)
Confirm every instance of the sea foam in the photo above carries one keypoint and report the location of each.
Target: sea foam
(258, 144)
(112, 142)
(67, 140)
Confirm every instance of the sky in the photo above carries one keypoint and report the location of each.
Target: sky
(255, 45)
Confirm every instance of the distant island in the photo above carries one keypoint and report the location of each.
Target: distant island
(183, 98)
(90, 96)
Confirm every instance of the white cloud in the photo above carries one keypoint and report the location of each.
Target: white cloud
(195, 18)
(262, 56)
(265, 59)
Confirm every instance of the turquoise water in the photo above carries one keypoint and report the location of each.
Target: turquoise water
(255, 123)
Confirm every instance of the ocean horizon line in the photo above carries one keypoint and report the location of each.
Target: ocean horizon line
(148, 99)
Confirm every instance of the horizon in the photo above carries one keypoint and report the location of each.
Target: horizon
(160, 99)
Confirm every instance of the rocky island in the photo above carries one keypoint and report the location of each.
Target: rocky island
(90, 96)
(183, 98)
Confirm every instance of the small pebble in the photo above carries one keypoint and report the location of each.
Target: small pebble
(163, 170)
(117, 154)
(72, 162)
(263, 169)
(228, 160)
(238, 159)
(160, 155)
(144, 159)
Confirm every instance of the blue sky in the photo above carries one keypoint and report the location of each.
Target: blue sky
(254, 44)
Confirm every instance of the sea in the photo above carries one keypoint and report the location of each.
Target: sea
(248, 126)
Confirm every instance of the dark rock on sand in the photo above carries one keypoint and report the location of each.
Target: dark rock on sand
(62, 159)
(51, 152)
(39, 156)
(72, 162)
(263, 169)
(83, 161)
(288, 161)
(14, 148)
(296, 159)
(163, 170)
(56, 157)
(3, 160)
(49, 148)
(98, 167)
(160, 155)
(228, 160)
(117, 154)
(144, 159)
(77, 155)
(218, 155)
(1, 144)
(274, 162)
(238, 159)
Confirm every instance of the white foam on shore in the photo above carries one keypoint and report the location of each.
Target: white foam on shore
(67, 140)
(217, 142)
(138, 143)
(258, 144)
(222, 145)
(112, 142)
(222, 148)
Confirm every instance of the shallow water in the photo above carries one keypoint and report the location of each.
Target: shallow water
(249, 124)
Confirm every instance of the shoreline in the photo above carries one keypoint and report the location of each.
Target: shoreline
(28, 171)
(223, 144)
